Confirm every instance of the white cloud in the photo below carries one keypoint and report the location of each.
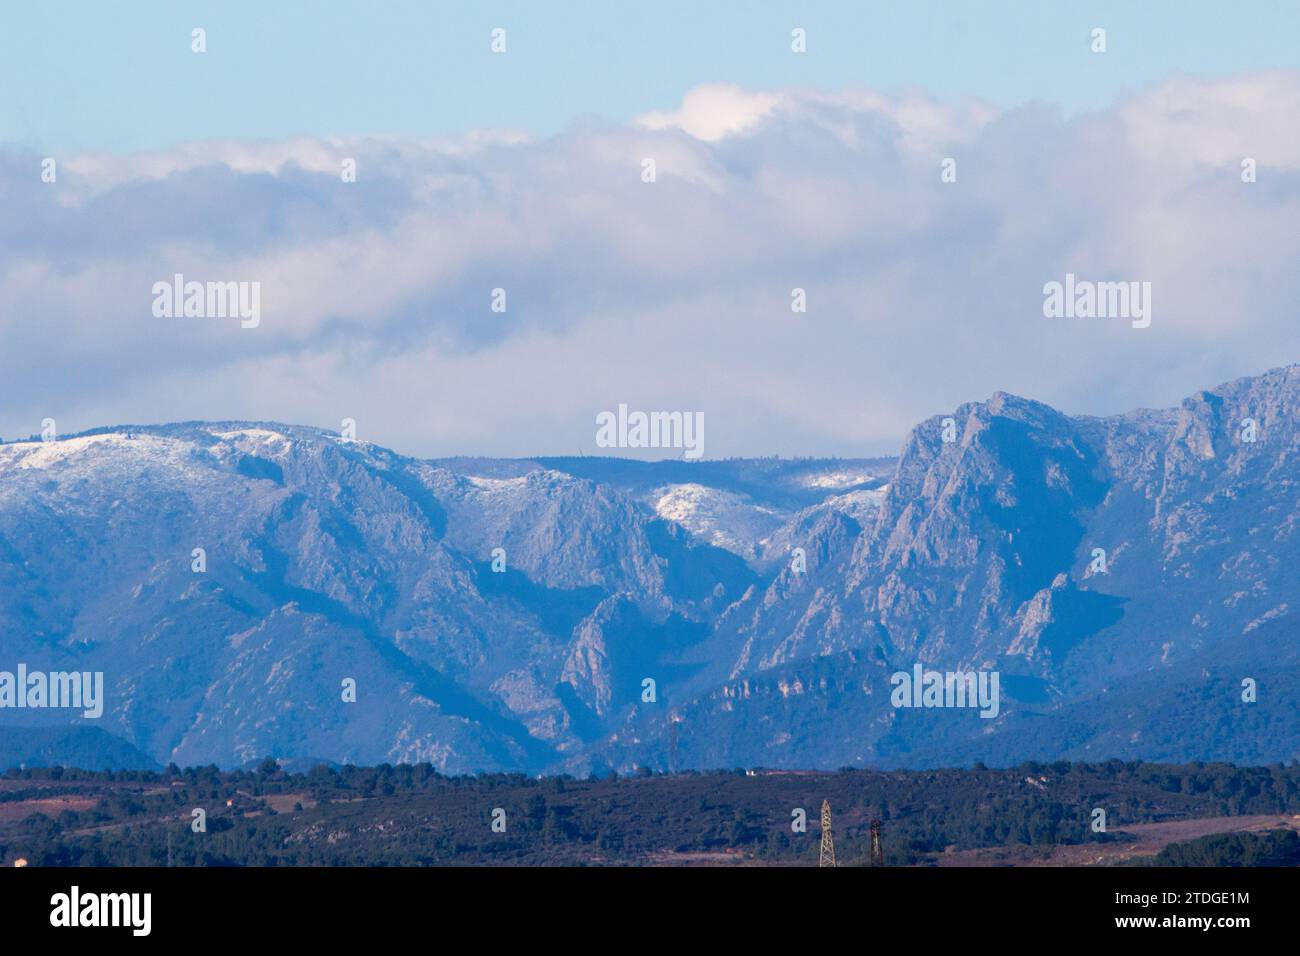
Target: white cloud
(713, 111)
(669, 295)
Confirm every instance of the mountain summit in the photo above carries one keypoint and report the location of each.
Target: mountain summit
(253, 588)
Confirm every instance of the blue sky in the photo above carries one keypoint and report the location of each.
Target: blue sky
(96, 76)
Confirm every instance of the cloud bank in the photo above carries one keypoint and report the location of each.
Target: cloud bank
(673, 294)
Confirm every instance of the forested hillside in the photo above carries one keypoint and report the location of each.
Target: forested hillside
(411, 815)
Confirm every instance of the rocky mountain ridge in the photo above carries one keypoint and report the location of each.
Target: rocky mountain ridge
(509, 614)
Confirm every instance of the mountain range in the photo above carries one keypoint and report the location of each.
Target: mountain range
(1128, 577)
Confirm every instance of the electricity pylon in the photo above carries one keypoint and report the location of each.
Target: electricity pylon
(672, 743)
(828, 842)
(877, 853)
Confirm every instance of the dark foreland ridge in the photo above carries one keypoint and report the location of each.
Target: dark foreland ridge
(1076, 814)
(353, 605)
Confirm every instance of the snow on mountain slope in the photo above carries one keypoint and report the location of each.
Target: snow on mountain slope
(722, 518)
(733, 505)
(838, 479)
(758, 532)
(84, 451)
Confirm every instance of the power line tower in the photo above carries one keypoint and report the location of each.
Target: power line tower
(877, 853)
(672, 743)
(828, 842)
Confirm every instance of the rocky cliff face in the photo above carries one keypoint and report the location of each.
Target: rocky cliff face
(1081, 558)
(1105, 567)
